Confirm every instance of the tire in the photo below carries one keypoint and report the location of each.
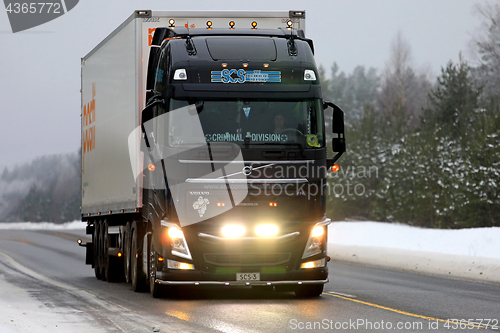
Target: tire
(311, 290)
(136, 273)
(97, 257)
(126, 253)
(113, 266)
(102, 258)
(154, 287)
(104, 250)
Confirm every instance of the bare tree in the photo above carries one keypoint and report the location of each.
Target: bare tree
(487, 50)
(404, 91)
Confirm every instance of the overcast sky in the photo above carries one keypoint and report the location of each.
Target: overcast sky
(40, 68)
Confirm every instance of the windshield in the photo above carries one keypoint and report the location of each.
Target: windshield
(258, 121)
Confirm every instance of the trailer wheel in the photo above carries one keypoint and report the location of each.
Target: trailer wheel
(104, 250)
(97, 257)
(309, 290)
(137, 276)
(126, 253)
(102, 254)
(154, 287)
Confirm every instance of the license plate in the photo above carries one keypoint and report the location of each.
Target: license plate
(247, 276)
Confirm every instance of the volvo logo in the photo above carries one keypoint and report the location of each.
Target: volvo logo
(247, 170)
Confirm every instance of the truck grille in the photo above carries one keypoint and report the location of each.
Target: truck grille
(247, 259)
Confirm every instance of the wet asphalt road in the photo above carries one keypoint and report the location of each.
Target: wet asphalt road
(50, 266)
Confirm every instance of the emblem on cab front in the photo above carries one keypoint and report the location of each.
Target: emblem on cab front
(247, 170)
(201, 205)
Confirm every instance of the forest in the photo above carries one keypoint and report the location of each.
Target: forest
(421, 150)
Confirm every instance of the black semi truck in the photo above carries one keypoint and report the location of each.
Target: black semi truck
(204, 153)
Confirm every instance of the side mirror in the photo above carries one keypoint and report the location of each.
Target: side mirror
(147, 113)
(338, 141)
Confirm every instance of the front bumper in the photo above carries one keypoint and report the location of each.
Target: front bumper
(217, 260)
(241, 283)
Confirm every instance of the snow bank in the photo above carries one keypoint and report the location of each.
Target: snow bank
(42, 225)
(467, 254)
(478, 242)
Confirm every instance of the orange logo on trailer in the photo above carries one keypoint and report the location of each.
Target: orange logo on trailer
(88, 126)
(150, 35)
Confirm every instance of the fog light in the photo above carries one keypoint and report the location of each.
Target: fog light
(233, 231)
(172, 264)
(314, 264)
(266, 230)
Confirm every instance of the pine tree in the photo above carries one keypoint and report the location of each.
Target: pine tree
(452, 122)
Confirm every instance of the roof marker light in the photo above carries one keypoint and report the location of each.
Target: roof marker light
(266, 65)
(171, 22)
(209, 24)
(245, 65)
(224, 65)
(231, 24)
(254, 25)
(289, 24)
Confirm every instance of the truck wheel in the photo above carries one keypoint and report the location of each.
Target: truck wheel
(154, 287)
(102, 258)
(97, 257)
(136, 274)
(311, 290)
(104, 250)
(126, 253)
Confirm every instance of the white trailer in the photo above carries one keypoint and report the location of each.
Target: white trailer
(113, 85)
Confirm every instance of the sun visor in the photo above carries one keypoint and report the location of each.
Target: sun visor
(240, 48)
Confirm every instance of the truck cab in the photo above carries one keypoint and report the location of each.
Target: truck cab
(256, 103)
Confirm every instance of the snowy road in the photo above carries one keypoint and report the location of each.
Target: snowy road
(45, 287)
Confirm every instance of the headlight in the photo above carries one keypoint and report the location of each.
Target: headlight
(315, 242)
(179, 244)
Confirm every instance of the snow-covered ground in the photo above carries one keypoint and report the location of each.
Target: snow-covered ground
(42, 225)
(478, 242)
(469, 254)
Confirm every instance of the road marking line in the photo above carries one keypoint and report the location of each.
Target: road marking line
(340, 294)
(34, 274)
(450, 321)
